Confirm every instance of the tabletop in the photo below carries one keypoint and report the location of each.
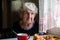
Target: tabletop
(31, 38)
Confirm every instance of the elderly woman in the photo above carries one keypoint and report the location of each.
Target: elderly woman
(27, 23)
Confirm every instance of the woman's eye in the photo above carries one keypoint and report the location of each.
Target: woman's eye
(32, 13)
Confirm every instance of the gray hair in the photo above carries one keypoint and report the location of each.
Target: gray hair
(17, 5)
(31, 6)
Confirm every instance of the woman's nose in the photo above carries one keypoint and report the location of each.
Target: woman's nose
(29, 16)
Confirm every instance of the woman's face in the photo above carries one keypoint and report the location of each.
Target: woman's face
(28, 17)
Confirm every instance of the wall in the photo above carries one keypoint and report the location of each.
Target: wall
(4, 14)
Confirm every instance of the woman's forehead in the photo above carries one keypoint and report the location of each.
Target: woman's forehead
(29, 10)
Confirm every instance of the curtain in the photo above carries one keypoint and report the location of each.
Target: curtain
(51, 14)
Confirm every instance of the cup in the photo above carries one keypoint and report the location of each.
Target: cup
(22, 36)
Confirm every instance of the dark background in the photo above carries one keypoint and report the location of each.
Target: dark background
(0, 14)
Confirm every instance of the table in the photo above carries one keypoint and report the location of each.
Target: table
(31, 38)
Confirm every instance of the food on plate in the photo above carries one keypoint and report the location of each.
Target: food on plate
(47, 37)
(37, 37)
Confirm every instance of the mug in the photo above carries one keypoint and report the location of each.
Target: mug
(22, 36)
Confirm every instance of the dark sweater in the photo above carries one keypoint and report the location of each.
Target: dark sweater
(32, 31)
(8, 33)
